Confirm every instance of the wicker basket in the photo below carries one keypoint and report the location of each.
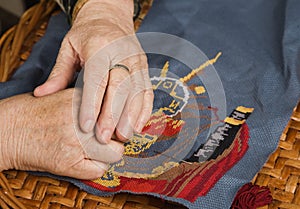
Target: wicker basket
(18, 189)
(281, 173)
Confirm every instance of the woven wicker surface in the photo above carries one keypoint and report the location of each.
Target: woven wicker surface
(14, 51)
(18, 189)
(43, 192)
(282, 171)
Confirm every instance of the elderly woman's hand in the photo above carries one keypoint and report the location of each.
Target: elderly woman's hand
(42, 134)
(115, 100)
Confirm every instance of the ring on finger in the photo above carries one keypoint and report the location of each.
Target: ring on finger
(119, 66)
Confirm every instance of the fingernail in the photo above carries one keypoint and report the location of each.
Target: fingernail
(88, 126)
(106, 136)
(36, 91)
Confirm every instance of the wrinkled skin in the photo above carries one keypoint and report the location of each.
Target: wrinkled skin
(42, 134)
(103, 35)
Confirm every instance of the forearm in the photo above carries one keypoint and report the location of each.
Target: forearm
(5, 133)
(14, 113)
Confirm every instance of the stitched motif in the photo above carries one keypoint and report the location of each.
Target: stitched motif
(158, 160)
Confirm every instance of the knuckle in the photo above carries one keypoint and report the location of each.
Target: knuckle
(94, 84)
(97, 40)
(108, 119)
(113, 117)
(119, 85)
(109, 116)
(138, 84)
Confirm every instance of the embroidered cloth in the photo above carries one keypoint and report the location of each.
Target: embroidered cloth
(226, 76)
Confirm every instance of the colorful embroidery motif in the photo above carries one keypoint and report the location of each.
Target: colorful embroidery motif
(159, 160)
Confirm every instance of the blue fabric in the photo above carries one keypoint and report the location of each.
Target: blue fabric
(259, 68)
(40, 62)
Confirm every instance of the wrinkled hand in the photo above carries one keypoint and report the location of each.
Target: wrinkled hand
(115, 101)
(41, 134)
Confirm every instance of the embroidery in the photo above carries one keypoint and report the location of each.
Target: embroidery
(178, 93)
(201, 67)
(155, 160)
(139, 143)
(222, 137)
(185, 180)
(199, 89)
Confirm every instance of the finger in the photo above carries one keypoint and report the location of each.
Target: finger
(87, 169)
(62, 74)
(133, 106)
(106, 153)
(95, 81)
(113, 104)
(126, 125)
(146, 110)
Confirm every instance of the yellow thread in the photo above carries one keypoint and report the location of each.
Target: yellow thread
(119, 164)
(178, 123)
(201, 67)
(233, 121)
(108, 180)
(200, 90)
(159, 127)
(157, 85)
(138, 144)
(174, 104)
(167, 119)
(244, 109)
(174, 94)
(167, 84)
(165, 70)
(167, 109)
(161, 169)
(156, 120)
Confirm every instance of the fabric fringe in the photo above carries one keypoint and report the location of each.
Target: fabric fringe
(251, 197)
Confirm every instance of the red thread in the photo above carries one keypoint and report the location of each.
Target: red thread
(251, 197)
(213, 171)
(215, 111)
(164, 126)
(204, 176)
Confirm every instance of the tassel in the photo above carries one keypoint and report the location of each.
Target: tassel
(251, 197)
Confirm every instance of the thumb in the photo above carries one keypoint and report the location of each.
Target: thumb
(62, 74)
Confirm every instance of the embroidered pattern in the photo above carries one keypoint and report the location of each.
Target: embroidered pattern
(158, 160)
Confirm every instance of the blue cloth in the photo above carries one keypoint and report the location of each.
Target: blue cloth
(38, 66)
(259, 68)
